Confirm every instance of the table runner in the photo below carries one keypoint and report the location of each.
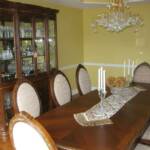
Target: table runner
(101, 113)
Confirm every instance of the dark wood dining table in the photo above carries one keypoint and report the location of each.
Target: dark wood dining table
(129, 123)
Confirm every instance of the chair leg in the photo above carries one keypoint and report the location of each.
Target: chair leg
(145, 141)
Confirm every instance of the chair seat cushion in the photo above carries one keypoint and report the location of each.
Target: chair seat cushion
(27, 138)
(142, 147)
(146, 134)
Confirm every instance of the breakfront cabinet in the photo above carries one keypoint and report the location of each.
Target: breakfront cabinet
(27, 40)
(28, 49)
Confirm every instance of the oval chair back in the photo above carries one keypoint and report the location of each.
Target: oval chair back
(28, 134)
(142, 73)
(60, 89)
(83, 80)
(25, 98)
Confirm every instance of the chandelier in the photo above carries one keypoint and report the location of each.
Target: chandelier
(117, 18)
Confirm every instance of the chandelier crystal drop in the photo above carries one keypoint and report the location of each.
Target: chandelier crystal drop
(117, 18)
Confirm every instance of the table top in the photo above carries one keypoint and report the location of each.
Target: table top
(129, 123)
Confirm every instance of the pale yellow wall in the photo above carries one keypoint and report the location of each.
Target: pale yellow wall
(77, 42)
(112, 48)
(70, 35)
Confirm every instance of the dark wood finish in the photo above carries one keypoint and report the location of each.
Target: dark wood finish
(27, 13)
(14, 94)
(26, 118)
(4, 87)
(41, 84)
(47, 52)
(128, 124)
(145, 141)
(56, 44)
(37, 10)
(77, 78)
(52, 96)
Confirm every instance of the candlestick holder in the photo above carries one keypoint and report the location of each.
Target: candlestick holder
(100, 111)
(102, 94)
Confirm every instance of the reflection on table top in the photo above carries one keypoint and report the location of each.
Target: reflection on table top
(128, 124)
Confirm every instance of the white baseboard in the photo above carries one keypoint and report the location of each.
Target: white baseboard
(74, 91)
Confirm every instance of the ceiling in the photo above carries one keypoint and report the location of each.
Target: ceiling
(90, 3)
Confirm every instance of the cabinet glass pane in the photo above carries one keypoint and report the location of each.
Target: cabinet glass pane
(26, 46)
(7, 51)
(52, 43)
(40, 48)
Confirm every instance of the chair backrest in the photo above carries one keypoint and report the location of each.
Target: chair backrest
(60, 89)
(25, 98)
(142, 73)
(28, 134)
(83, 80)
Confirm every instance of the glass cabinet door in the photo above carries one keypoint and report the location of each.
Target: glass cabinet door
(26, 45)
(40, 45)
(7, 51)
(52, 43)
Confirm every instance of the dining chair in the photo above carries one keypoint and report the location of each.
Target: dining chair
(142, 73)
(25, 98)
(83, 80)
(26, 133)
(145, 139)
(60, 89)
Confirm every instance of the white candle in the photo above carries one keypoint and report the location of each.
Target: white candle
(99, 74)
(128, 66)
(132, 68)
(104, 81)
(124, 69)
(101, 78)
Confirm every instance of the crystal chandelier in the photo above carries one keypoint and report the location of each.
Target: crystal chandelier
(117, 18)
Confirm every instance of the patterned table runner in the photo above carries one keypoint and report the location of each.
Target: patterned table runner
(101, 113)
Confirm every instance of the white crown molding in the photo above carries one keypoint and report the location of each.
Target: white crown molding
(74, 92)
(92, 4)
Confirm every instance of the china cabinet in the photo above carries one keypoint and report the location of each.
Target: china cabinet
(28, 49)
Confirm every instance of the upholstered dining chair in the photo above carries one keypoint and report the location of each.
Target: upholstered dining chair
(25, 98)
(142, 73)
(60, 89)
(83, 80)
(28, 134)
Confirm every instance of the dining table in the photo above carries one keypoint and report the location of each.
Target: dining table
(127, 127)
(129, 123)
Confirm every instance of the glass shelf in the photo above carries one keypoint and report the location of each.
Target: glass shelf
(52, 43)
(7, 52)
